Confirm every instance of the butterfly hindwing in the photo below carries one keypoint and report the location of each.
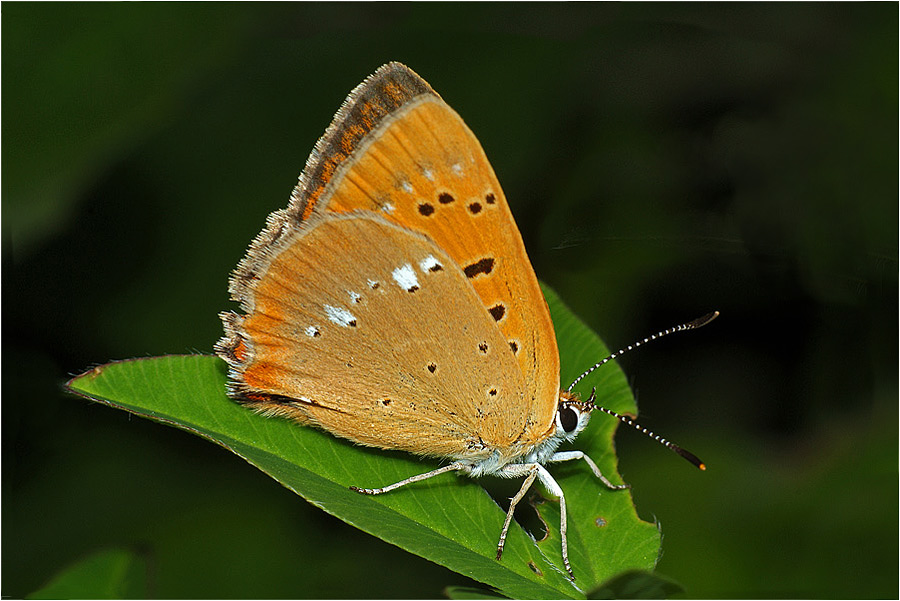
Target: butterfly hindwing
(350, 331)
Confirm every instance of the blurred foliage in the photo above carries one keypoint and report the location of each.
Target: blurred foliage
(108, 574)
(467, 592)
(661, 160)
(637, 585)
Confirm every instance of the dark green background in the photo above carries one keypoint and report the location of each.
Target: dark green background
(661, 161)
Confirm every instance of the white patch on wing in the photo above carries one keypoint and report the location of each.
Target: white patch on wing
(340, 316)
(405, 277)
(429, 263)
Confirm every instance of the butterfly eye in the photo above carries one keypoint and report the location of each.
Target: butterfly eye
(568, 419)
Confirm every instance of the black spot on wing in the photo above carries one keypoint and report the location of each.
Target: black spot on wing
(497, 311)
(481, 267)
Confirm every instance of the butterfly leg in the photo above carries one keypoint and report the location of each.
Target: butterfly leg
(574, 455)
(535, 470)
(532, 473)
(554, 489)
(447, 468)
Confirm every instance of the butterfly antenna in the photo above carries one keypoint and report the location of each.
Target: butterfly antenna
(691, 325)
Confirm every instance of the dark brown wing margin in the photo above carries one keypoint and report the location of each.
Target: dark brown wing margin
(382, 93)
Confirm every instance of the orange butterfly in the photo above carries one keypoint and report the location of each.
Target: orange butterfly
(393, 304)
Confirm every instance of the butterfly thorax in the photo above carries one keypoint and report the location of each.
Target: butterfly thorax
(572, 416)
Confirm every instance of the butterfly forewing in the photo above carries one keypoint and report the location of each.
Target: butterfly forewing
(410, 158)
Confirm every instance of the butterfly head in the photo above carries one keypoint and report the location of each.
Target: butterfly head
(572, 416)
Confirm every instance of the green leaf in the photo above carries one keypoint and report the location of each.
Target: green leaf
(107, 574)
(450, 520)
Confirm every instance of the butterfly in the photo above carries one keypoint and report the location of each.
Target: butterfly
(392, 302)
